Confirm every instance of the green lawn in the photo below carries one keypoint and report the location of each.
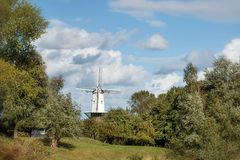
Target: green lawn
(88, 149)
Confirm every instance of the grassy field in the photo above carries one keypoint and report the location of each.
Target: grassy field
(80, 149)
(88, 149)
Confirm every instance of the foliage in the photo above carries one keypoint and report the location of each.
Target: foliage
(190, 77)
(91, 127)
(190, 74)
(21, 25)
(141, 102)
(119, 126)
(201, 119)
(57, 83)
(161, 116)
(59, 117)
(187, 119)
(206, 125)
(18, 90)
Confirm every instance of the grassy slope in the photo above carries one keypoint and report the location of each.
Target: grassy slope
(79, 149)
(88, 149)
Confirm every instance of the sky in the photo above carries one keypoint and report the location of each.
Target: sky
(139, 44)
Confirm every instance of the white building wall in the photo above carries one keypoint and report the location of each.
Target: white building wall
(100, 102)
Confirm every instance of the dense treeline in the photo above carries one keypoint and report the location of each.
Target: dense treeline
(199, 120)
(29, 100)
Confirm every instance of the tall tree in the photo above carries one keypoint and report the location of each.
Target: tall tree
(20, 25)
(190, 77)
(61, 116)
(18, 92)
(187, 118)
(222, 86)
(141, 102)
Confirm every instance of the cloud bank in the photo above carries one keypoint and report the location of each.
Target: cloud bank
(217, 10)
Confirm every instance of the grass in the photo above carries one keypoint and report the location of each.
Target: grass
(88, 149)
(21, 149)
(80, 149)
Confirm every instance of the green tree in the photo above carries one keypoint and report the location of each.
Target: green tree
(187, 119)
(91, 128)
(116, 126)
(143, 131)
(57, 83)
(190, 77)
(18, 92)
(60, 117)
(161, 116)
(141, 102)
(119, 126)
(222, 103)
(21, 25)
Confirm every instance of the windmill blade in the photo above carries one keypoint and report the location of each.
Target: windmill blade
(99, 77)
(86, 89)
(111, 91)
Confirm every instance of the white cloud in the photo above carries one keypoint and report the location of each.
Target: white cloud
(156, 23)
(83, 69)
(200, 59)
(61, 36)
(78, 59)
(226, 10)
(155, 42)
(201, 75)
(162, 83)
(231, 51)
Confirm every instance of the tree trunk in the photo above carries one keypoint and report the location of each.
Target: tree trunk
(15, 132)
(55, 142)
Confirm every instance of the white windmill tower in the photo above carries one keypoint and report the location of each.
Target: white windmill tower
(97, 101)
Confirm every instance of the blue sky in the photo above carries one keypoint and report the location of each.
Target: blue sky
(140, 44)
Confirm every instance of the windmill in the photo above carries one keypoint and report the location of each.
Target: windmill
(97, 101)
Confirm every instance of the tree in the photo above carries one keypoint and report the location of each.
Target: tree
(161, 115)
(57, 83)
(141, 102)
(119, 126)
(18, 92)
(190, 77)
(222, 102)
(116, 126)
(60, 117)
(20, 26)
(187, 118)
